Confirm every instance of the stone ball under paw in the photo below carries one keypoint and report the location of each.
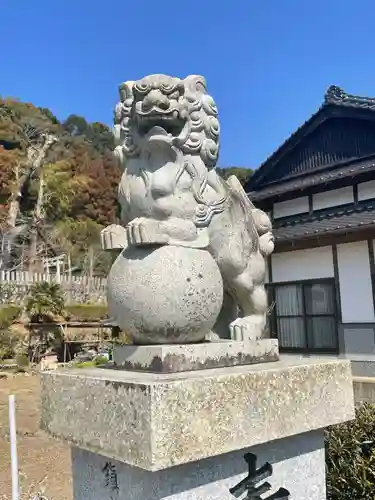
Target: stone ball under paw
(165, 295)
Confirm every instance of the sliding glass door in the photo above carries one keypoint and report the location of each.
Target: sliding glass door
(303, 315)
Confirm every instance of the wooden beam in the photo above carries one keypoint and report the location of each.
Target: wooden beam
(325, 240)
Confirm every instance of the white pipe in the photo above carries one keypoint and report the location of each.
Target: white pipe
(13, 448)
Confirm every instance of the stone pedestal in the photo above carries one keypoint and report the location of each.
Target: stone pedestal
(190, 357)
(185, 435)
(298, 464)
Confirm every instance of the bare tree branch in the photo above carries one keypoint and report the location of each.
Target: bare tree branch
(39, 144)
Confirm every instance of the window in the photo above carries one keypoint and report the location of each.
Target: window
(304, 315)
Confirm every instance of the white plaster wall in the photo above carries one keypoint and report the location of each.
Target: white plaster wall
(313, 263)
(291, 207)
(355, 282)
(333, 198)
(366, 190)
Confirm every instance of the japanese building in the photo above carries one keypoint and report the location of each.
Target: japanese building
(319, 188)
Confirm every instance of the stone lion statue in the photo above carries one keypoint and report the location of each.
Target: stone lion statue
(167, 136)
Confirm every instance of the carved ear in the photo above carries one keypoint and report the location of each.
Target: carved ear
(196, 84)
(126, 90)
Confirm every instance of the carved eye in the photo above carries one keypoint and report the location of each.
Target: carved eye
(174, 95)
(141, 88)
(167, 89)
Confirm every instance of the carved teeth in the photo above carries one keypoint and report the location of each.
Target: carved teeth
(170, 121)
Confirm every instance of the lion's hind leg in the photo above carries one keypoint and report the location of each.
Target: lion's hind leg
(253, 302)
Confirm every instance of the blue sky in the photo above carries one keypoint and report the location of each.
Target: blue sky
(267, 62)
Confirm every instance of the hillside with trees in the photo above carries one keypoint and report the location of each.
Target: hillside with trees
(58, 185)
(58, 188)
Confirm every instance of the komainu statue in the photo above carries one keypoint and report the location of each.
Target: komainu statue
(194, 248)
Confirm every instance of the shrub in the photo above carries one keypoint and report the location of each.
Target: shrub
(9, 292)
(86, 312)
(8, 343)
(22, 361)
(84, 364)
(350, 457)
(120, 337)
(8, 338)
(100, 360)
(45, 300)
(8, 314)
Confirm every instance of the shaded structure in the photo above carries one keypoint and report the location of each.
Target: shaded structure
(69, 337)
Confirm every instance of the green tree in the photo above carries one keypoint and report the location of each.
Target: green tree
(81, 240)
(8, 164)
(243, 174)
(9, 338)
(80, 176)
(75, 125)
(49, 115)
(61, 187)
(101, 137)
(45, 300)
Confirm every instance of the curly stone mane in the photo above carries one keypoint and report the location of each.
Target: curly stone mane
(200, 133)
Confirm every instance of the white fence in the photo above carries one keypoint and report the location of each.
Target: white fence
(14, 286)
(26, 278)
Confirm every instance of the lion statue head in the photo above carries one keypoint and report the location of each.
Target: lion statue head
(180, 111)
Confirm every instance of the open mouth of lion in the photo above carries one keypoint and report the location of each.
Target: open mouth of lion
(170, 122)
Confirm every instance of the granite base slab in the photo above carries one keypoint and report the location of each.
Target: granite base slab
(156, 421)
(297, 466)
(180, 358)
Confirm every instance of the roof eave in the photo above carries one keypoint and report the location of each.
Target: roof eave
(328, 175)
(335, 102)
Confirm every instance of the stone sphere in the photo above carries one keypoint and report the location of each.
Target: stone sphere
(165, 295)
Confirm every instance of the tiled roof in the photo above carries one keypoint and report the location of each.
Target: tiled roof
(326, 221)
(334, 96)
(348, 169)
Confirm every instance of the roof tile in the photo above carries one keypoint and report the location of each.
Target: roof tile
(327, 221)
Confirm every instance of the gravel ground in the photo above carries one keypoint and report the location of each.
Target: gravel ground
(41, 459)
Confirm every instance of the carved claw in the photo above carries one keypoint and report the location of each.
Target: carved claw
(244, 329)
(212, 337)
(142, 231)
(113, 237)
(177, 232)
